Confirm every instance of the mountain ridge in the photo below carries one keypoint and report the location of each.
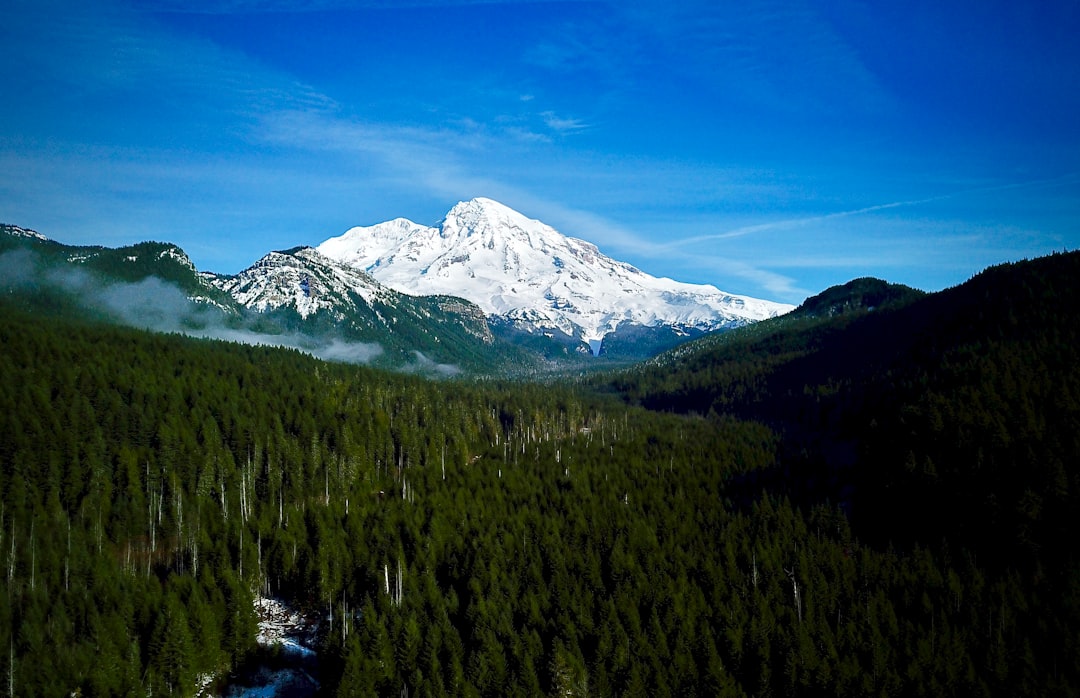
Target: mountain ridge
(294, 298)
(526, 272)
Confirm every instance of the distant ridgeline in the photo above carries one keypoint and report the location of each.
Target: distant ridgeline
(843, 501)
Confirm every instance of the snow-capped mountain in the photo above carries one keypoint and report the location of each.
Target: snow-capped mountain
(528, 273)
(306, 282)
(300, 279)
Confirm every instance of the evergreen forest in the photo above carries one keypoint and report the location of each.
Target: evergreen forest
(875, 495)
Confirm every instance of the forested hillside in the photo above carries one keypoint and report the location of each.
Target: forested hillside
(498, 539)
(153, 285)
(965, 401)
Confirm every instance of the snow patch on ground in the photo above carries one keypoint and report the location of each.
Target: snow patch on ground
(281, 626)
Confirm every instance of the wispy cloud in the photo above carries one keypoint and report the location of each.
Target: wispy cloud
(425, 365)
(789, 223)
(561, 124)
(111, 50)
(323, 153)
(794, 222)
(774, 285)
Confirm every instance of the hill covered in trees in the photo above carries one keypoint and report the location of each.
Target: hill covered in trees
(963, 401)
(847, 501)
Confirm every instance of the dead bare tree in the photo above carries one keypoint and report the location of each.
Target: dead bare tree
(795, 592)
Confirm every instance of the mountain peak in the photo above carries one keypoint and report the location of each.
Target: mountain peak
(481, 208)
(482, 203)
(488, 222)
(526, 272)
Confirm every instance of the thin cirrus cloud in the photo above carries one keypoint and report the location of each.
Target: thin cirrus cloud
(563, 124)
(133, 79)
(1067, 179)
(795, 222)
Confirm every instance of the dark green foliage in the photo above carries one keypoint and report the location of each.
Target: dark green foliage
(516, 539)
(963, 403)
(864, 294)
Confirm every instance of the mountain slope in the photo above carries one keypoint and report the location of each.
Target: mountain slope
(954, 411)
(296, 298)
(525, 272)
(102, 277)
(303, 289)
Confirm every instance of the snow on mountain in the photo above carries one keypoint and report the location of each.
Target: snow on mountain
(16, 231)
(527, 272)
(301, 279)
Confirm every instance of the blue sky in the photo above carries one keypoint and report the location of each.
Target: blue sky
(769, 148)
